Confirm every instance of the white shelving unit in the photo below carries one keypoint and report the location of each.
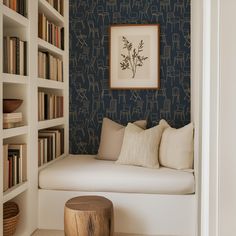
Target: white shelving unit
(26, 87)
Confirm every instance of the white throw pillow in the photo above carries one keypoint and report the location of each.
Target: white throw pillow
(176, 149)
(112, 138)
(141, 147)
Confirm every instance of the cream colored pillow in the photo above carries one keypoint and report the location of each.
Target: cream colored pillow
(176, 149)
(112, 135)
(141, 147)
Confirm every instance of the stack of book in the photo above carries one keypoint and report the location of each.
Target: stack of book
(15, 56)
(11, 120)
(58, 5)
(50, 32)
(50, 106)
(16, 5)
(49, 67)
(50, 145)
(14, 165)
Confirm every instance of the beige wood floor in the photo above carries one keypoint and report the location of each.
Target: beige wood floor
(61, 233)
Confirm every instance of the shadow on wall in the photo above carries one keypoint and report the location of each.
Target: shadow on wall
(90, 96)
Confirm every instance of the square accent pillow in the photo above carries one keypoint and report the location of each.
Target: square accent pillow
(141, 147)
(111, 140)
(176, 148)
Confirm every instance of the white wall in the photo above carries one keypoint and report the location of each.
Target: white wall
(227, 115)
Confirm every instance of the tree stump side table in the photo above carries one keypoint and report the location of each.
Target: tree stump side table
(88, 216)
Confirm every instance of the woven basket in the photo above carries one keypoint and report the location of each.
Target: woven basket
(10, 218)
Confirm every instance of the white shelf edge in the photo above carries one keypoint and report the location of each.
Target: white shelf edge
(8, 133)
(44, 45)
(15, 191)
(14, 18)
(51, 123)
(51, 162)
(50, 12)
(16, 79)
(46, 83)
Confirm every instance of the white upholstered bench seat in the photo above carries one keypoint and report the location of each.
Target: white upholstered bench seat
(85, 173)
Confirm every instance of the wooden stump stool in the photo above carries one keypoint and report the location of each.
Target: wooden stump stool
(88, 216)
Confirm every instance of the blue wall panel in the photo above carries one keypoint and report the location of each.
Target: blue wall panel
(90, 96)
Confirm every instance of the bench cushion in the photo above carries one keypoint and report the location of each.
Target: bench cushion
(86, 173)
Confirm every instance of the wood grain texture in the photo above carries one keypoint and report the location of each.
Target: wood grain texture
(88, 216)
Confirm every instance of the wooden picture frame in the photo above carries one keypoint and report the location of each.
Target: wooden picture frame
(135, 56)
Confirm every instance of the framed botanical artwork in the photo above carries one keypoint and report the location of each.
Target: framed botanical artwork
(135, 56)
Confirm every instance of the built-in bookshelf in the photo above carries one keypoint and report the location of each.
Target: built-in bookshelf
(32, 63)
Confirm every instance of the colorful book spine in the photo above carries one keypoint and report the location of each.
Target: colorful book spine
(14, 165)
(50, 32)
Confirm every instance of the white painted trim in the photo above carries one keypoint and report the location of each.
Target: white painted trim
(196, 97)
(205, 118)
(210, 119)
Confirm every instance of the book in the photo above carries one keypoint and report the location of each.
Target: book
(5, 168)
(50, 106)
(51, 144)
(15, 56)
(50, 32)
(16, 5)
(21, 149)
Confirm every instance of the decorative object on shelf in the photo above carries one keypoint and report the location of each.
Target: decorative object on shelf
(10, 218)
(10, 105)
(134, 56)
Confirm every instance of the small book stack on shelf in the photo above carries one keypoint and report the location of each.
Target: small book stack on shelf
(50, 32)
(49, 67)
(12, 120)
(58, 5)
(16, 5)
(14, 165)
(15, 56)
(50, 145)
(50, 106)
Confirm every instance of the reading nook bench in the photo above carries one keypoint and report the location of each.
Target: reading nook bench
(147, 174)
(137, 193)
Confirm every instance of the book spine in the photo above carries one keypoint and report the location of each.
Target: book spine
(17, 56)
(25, 58)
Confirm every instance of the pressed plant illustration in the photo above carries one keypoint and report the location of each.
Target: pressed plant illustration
(133, 59)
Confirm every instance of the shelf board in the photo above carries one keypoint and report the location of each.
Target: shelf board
(51, 123)
(46, 83)
(51, 13)
(15, 191)
(8, 133)
(12, 19)
(15, 79)
(43, 45)
(51, 162)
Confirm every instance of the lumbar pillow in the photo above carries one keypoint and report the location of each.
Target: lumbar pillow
(176, 148)
(141, 147)
(112, 135)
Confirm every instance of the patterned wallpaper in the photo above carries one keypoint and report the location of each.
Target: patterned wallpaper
(90, 96)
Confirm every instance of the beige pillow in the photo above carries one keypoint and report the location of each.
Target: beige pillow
(112, 135)
(141, 147)
(176, 149)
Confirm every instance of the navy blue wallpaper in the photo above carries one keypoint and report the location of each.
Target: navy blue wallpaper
(90, 96)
